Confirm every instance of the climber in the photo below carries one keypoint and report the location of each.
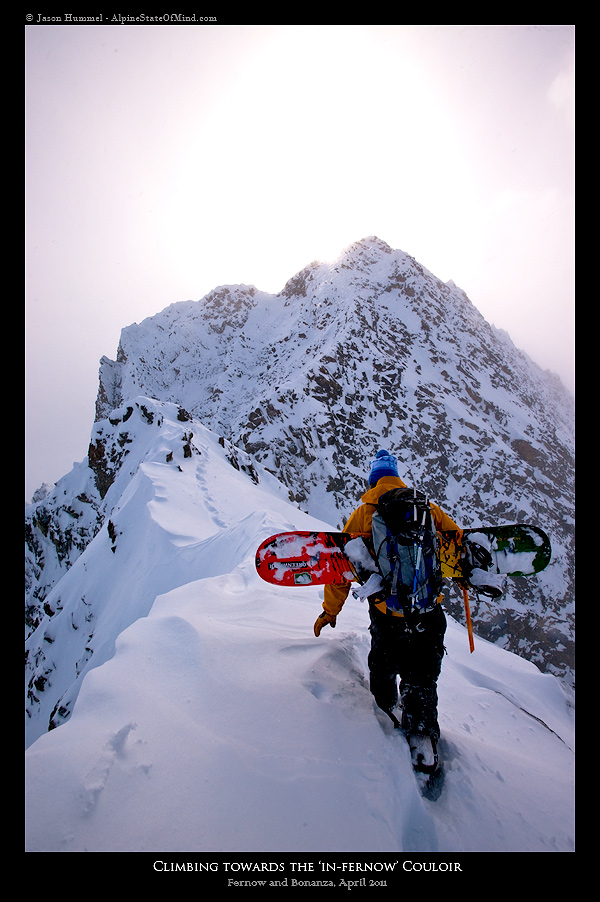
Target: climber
(408, 647)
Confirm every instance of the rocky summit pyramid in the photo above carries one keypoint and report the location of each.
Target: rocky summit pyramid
(366, 352)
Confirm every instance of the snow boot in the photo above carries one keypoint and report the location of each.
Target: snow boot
(426, 765)
(423, 753)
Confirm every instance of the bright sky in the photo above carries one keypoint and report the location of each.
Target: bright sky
(163, 161)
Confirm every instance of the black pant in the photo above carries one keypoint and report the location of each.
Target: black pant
(414, 652)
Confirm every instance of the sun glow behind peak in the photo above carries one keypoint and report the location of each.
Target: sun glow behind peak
(309, 149)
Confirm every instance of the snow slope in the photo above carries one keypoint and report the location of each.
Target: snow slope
(208, 718)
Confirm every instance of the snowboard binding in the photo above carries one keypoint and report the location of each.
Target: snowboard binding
(477, 565)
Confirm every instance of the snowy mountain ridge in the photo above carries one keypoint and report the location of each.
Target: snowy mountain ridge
(176, 702)
(196, 712)
(75, 612)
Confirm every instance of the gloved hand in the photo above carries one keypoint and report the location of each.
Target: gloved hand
(322, 620)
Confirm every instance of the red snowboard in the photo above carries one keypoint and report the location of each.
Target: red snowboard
(305, 559)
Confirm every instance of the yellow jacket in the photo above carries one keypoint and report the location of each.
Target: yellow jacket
(360, 522)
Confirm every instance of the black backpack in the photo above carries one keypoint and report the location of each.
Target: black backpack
(406, 550)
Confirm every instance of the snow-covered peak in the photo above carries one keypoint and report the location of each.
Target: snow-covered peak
(219, 423)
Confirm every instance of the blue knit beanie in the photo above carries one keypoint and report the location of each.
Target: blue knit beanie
(385, 464)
